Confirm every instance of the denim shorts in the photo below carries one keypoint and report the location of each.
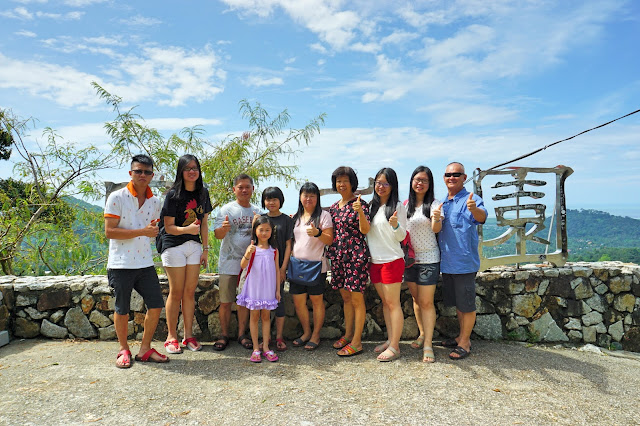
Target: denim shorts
(423, 273)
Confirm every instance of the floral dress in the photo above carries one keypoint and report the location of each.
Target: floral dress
(349, 253)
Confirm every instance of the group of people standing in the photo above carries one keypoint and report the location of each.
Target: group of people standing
(358, 242)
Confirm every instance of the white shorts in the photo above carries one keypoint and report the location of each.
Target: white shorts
(185, 254)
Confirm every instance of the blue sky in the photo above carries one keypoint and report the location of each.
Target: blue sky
(402, 83)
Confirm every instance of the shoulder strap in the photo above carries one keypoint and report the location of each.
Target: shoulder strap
(251, 262)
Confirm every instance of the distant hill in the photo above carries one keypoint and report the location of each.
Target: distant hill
(83, 204)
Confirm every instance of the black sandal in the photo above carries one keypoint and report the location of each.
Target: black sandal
(248, 343)
(221, 345)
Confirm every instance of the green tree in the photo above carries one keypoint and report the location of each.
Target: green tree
(6, 140)
(262, 151)
(34, 224)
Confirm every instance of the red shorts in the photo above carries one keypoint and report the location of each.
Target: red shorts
(387, 273)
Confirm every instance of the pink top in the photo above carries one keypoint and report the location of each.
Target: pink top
(311, 248)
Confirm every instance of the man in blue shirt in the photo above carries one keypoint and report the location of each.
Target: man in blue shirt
(460, 261)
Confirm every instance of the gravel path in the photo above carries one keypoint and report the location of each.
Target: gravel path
(47, 382)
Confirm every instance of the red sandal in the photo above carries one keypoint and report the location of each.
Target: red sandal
(195, 346)
(147, 357)
(126, 359)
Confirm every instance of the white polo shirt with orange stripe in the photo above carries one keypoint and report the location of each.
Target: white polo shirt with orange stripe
(134, 253)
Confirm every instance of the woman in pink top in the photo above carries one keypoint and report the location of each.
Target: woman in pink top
(313, 230)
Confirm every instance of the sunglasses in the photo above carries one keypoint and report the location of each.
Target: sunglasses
(146, 172)
(422, 181)
(191, 169)
(456, 174)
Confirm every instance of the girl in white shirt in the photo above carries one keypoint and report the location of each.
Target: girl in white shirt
(388, 229)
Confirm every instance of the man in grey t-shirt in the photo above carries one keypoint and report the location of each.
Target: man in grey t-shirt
(233, 226)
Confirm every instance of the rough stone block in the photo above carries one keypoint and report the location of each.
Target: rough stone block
(53, 331)
(78, 324)
(515, 288)
(559, 288)
(26, 300)
(574, 336)
(551, 273)
(59, 298)
(56, 316)
(371, 328)
(526, 305)
(87, 303)
(330, 333)
(580, 271)
(483, 306)
(546, 329)
(99, 319)
(522, 275)
(573, 324)
(488, 327)
(35, 314)
(619, 284)
(4, 318)
(589, 334)
(215, 329)
(531, 285)
(4, 338)
(596, 303)
(604, 340)
(209, 301)
(583, 289)
(631, 340)
(602, 274)
(26, 328)
(624, 302)
(616, 331)
(410, 329)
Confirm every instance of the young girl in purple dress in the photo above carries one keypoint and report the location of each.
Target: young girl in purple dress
(260, 293)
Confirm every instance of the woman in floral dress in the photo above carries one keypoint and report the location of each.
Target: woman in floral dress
(349, 255)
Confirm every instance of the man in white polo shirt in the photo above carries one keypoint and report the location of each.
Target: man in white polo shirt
(130, 219)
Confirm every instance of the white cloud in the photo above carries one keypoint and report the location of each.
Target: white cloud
(169, 76)
(399, 37)
(82, 3)
(17, 13)
(141, 21)
(451, 114)
(25, 33)
(289, 61)
(256, 81)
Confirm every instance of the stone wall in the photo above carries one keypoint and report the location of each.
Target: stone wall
(582, 303)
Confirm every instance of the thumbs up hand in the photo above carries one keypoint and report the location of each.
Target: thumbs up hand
(312, 231)
(357, 205)
(193, 228)
(250, 250)
(226, 225)
(393, 220)
(436, 214)
(471, 204)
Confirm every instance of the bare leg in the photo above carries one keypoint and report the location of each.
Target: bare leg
(318, 317)
(188, 298)
(243, 318)
(385, 309)
(300, 303)
(467, 320)
(360, 313)
(121, 324)
(414, 289)
(225, 316)
(254, 317)
(396, 317)
(265, 315)
(425, 299)
(349, 314)
(176, 278)
(150, 324)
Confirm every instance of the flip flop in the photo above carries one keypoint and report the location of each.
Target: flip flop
(461, 352)
(281, 345)
(271, 356)
(221, 346)
(244, 338)
(418, 343)
(255, 356)
(349, 350)
(126, 361)
(340, 343)
(192, 344)
(311, 346)
(381, 348)
(299, 342)
(147, 357)
(428, 356)
(172, 347)
(395, 354)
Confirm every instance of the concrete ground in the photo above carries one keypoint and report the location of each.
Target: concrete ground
(48, 382)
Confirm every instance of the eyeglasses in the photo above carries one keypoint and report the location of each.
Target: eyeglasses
(146, 172)
(191, 169)
(422, 181)
(382, 184)
(456, 174)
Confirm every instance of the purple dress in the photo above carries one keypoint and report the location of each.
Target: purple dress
(259, 291)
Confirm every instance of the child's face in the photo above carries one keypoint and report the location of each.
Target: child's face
(272, 204)
(263, 232)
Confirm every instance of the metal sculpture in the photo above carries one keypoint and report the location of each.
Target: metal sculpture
(517, 227)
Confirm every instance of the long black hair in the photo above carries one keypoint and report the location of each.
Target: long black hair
(260, 220)
(178, 183)
(309, 188)
(428, 197)
(392, 202)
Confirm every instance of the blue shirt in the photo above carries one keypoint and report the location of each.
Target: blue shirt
(459, 236)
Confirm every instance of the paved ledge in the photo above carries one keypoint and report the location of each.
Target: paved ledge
(48, 382)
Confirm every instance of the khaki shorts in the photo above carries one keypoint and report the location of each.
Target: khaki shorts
(227, 285)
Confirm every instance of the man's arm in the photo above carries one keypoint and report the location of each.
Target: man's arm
(112, 231)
